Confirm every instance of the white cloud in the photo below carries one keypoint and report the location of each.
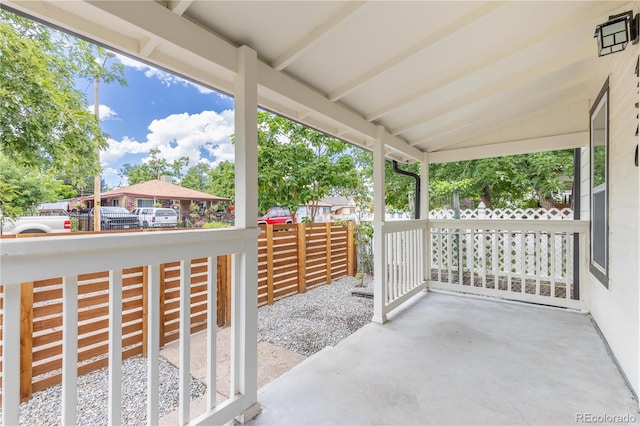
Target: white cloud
(104, 112)
(181, 135)
(112, 178)
(165, 78)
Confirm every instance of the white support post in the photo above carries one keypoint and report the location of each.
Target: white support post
(115, 347)
(379, 249)
(245, 278)
(185, 342)
(424, 214)
(69, 349)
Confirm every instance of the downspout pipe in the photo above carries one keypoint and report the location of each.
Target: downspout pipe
(416, 199)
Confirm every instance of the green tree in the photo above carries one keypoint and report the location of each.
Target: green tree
(22, 187)
(159, 166)
(197, 177)
(506, 181)
(136, 174)
(177, 167)
(44, 119)
(222, 180)
(298, 166)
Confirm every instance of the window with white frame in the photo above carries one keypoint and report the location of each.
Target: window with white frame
(599, 259)
(144, 202)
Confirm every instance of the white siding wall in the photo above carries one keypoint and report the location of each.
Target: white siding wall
(616, 309)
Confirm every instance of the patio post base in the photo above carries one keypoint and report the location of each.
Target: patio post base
(379, 319)
(249, 413)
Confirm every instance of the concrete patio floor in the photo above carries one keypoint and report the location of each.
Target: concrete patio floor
(447, 359)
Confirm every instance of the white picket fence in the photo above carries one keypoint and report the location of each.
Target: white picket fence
(481, 213)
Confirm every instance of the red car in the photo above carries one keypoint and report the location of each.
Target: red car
(275, 216)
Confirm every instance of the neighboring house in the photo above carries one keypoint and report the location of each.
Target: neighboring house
(329, 208)
(322, 212)
(156, 192)
(341, 206)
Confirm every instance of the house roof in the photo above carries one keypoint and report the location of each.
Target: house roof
(455, 79)
(162, 190)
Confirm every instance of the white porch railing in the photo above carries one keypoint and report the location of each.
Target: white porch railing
(523, 260)
(404, 266)
(32, 259)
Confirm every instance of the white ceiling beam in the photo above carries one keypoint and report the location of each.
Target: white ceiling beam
(56, 15)
(286, 86)
(179, 6)
(599, 10)
(148, 47)
(316, 35)
(541, 101)
(154, 20)
(526, 146)
(501, 86)
(418, 47)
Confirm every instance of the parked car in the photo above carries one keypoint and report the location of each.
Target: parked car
(276, 215)
(36, 224)
(116, 218)
(151, 217)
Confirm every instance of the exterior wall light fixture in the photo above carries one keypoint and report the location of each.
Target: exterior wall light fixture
(614, 35)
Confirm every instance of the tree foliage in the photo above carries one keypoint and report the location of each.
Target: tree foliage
(298, 166)
(45, 121)
(22, 188)
(505, 181)
(221, 180)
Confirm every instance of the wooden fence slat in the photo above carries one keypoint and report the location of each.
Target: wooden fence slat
(26, 340)
(270, 264)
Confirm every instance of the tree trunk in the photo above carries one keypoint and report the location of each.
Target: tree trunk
(545, 201)
(485, 197)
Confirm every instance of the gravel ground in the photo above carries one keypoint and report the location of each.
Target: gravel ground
(305, 323)
(44, 407)
(308, 322)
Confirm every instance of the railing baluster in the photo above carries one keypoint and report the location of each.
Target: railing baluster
(552, 273)
(449, 255)
(508, 264)
(523, 261)
(153, 346)
(471, 254)
(115, 347)
(484, 260)
(11, 356)
(69, 349)
(538, 270)
(212, 324)
(185, 341)
(495, 259)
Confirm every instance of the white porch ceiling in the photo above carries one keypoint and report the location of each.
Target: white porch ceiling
(456, 79)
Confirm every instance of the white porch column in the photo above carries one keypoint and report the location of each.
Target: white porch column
(379, 249)
(244, 323)
(424, 214)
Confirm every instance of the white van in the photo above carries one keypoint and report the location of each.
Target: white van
(152, 217)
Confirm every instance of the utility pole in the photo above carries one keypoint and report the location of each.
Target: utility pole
(96, 180)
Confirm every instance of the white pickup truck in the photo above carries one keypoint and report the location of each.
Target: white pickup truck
(35, 224)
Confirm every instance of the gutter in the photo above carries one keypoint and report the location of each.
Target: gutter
(416, 199)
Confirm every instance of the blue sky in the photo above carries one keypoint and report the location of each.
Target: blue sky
(159, 110)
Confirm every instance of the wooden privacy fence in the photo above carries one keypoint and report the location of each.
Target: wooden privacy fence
(41, 318)
(291, 259)
(295, 257)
